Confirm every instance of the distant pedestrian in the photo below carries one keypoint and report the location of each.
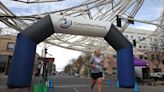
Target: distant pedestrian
(108, 64)
(39, 68)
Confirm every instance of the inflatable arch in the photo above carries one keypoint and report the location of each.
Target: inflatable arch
(20, 74)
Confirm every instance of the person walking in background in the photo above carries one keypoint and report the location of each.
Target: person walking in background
(108, 64)
(38, 68)
(96, 64)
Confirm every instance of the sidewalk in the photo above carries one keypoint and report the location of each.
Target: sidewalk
(4, 88)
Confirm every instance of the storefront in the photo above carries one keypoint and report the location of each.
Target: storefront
(142, 70)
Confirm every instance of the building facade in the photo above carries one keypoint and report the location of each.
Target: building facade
(7, 43)
(149, 47)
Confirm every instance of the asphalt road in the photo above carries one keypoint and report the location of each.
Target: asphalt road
(76, 84)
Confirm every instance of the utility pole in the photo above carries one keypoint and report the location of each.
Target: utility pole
(44, 64)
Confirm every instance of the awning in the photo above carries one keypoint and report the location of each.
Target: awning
(139, 62)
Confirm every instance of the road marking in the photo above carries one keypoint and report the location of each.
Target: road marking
(73, 86)
(75, 90)
(70, 86)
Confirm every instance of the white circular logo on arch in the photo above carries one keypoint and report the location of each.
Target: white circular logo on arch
(65, 23)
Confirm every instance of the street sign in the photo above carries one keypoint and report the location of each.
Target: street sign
(47, 59)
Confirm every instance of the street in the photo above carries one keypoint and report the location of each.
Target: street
(76, 84)
(64, 83)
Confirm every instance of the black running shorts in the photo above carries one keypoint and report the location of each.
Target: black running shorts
(96, 75)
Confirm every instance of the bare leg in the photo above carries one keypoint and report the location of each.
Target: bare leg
(93, 84)
(100, 84)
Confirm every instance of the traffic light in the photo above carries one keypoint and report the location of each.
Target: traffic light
(45, 50)
(134, 43)
(130, 21)
(118, 21)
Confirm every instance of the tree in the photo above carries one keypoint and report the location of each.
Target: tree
(68, 69)
(158, 49)
(79, 65)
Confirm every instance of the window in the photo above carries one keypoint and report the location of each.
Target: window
(155, 39)
(156, 48)
(150, 39)
(144, 47)
(152, 57)
(3, 58)
(10, 46)
(126, 36)
(151, 48)
(146, 58)
(139, 38)
(114, 56)
(162, 61)
(140, 46)
(141, 56)
(132, 37)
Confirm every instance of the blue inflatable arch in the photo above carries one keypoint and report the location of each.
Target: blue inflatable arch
(20, 74)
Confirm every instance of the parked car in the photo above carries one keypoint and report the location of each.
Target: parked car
(157, 75)
(77, 75)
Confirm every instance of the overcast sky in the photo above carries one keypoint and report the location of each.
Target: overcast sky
(150, 10)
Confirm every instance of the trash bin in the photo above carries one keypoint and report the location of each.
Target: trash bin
(37, 88)
(51, 83)
(40, 88)
(45, 88)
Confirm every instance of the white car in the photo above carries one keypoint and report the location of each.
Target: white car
(157, 74)
(77, 75)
